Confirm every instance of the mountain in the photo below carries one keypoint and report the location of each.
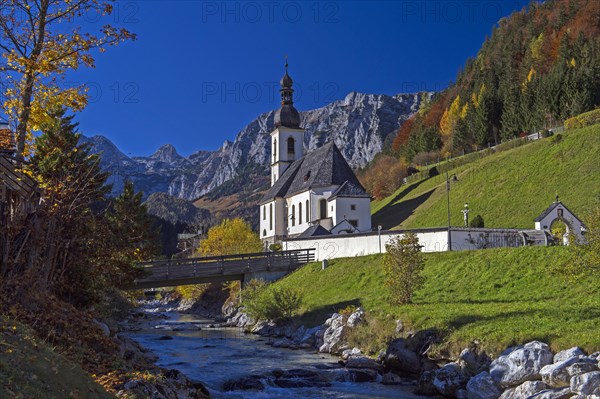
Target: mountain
(359, 124)
(177, 210)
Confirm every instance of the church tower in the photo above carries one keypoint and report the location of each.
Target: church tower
(287, 139)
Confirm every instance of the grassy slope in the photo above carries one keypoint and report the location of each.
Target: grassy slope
(498, 296)
(30, 369)
(508, 189)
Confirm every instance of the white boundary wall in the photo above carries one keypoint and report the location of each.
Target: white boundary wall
(432, 240)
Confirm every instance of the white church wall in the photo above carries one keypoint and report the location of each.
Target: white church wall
(296, 227)
(432, 240)
(571, 220)
(361, 212)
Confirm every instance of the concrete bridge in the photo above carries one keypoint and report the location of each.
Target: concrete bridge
(267, 266)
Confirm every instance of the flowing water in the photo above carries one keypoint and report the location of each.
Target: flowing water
(216, 355)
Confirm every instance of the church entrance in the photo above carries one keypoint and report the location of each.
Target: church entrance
(560, 231)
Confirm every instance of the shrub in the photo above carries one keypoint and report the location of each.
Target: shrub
(270, 303)
(583, 120)
(402, 266)
(556, 138)
(275, 247)
(477, 222)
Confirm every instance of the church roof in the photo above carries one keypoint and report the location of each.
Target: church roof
(324, 167)
(349, 190)
(314, 231)
(551, 208)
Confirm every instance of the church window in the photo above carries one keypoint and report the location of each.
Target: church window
(274, 150)
(299, 213)
(270, 216)
(293, 215)
(291, 148)
(354, 223)
(323, 208)
(352, 207)
(264, 232)
(264, 212)
(307, 212)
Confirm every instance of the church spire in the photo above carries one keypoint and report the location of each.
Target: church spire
(287, 115)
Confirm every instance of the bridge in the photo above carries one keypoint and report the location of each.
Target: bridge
(267, 266)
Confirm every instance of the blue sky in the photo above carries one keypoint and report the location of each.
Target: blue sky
(201, 70)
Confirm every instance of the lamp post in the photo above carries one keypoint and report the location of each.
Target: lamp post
(379, 235)
(454, 178)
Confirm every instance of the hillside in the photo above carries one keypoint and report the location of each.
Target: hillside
(539, 67)
(30, 368)
(500, 297)
(508, 189)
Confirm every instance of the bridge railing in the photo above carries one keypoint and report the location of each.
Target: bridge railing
(227, 265)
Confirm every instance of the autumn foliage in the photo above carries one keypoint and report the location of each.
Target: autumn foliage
(383, 176)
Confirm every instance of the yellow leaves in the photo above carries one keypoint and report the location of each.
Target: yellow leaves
(464, 111)
(476, 98)
(536, 47)
(450, 118)
(529, 78)
(573, 63)
(531, 74)
(230, 237)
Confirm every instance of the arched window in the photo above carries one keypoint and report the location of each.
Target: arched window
(299, 213)
(323, 208)
(270, 216)
(293, 215)
(307, 212)
(291, 148)
(264, 212)
(264, 232)
(274, 150)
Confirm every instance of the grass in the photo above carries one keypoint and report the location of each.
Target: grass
(31, 369)
(508, 189)
(500, 297)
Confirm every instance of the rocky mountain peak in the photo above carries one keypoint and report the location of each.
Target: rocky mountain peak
(166, 153)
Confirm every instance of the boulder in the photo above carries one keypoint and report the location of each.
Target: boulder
(558, 393)
(586, 384)
(521, 363)
(425, 384)
(525, 390)
(363, 375)
(351, 352)
(264, 328)
(567, 354)
(363, 362)
(401, 358)
(333, 335)
(252, 383)
(581, 368)
(391, 379)
(355, 318)
(473, 362)
(309, 337)
(557, 375)
(449, 379)
(482, 386)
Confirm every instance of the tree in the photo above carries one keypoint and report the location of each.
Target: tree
(133, 233)
(585, 255)
(40, 43)
(68, 231)
(403, 265)
(232, 236)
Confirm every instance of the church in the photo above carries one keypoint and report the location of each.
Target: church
(313, 194)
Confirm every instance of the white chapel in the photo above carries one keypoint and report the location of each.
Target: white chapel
(312, 194)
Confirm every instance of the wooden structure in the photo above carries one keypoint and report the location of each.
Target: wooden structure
(243, 267)
(19, 193)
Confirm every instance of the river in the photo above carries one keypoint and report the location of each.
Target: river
(214, 355)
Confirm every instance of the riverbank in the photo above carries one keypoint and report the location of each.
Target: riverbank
(233, 364)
